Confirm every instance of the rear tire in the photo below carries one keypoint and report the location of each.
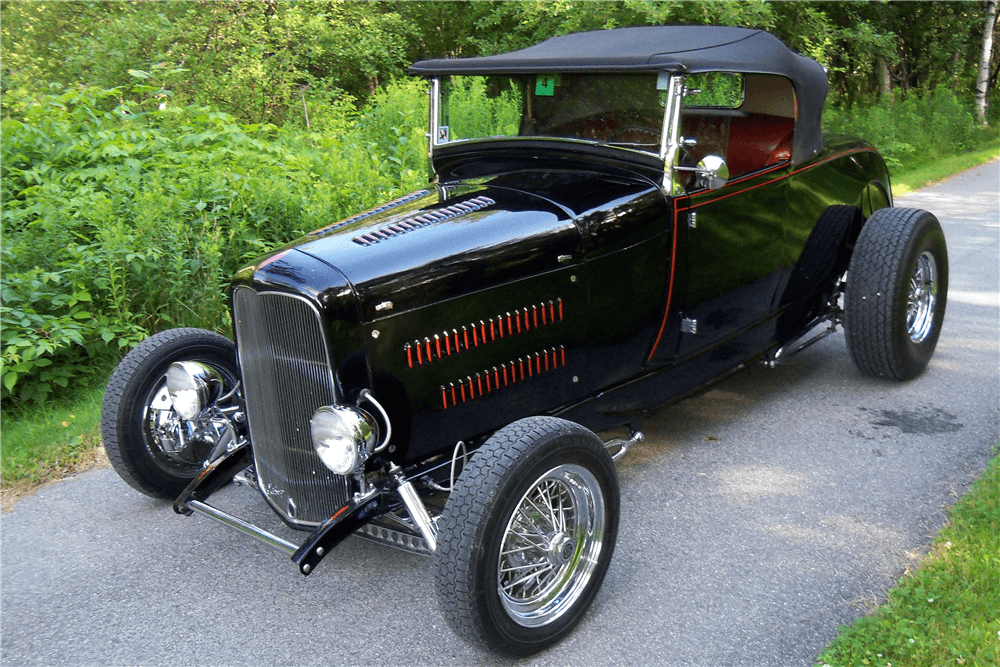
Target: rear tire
(527, 535)
(897, 289)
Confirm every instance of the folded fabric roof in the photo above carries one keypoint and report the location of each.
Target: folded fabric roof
(690, 49)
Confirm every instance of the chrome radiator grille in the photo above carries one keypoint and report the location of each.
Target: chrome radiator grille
(287, 374)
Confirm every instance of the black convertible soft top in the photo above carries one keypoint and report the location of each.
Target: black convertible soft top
(665, 48)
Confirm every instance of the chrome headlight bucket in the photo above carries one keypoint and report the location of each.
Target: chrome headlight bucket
(343, 437)
(192, 387)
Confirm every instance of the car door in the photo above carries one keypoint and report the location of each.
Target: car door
(734, 259)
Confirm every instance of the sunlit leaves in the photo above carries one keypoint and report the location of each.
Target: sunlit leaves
(116, 225)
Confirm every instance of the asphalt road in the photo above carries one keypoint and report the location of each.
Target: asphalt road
(755, 520)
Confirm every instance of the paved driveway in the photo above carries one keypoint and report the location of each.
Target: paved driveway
(755, 520)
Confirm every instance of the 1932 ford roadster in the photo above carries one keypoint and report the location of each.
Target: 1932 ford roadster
(616, 220)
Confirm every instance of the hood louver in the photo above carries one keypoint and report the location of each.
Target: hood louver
(432, 217)
(388, 206)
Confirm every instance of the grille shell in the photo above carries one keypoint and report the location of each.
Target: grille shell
(287, 374)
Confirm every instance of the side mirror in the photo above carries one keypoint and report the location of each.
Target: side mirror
(713, 173)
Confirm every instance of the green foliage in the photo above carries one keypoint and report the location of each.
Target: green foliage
(290, 62)
(207, 132)
(513, 25)
(49, 332)
(945, 614)
(118, 221)
(472, 110)
(716, 89)
(261, 62)
(393, 128)
(916, 129)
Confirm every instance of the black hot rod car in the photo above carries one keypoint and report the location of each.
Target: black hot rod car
(615, 220)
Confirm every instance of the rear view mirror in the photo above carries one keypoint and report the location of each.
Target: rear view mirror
(713, 173)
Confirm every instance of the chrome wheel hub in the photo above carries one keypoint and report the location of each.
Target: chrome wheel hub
(186, 447)
(550, 546)
(561, 550)
(922, 298)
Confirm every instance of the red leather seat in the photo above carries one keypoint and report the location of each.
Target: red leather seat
(757, 141)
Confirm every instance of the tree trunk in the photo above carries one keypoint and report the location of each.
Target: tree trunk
(884, 78)
(956, 71)
(982, 81)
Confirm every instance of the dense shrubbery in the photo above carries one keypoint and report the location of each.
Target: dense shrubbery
(118, 222)
(912, 130)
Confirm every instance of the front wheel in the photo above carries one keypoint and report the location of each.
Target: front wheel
(897, 289)
(150, 445)
(527, 535)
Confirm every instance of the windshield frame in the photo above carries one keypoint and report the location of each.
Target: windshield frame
(666, 156)
(438, 134)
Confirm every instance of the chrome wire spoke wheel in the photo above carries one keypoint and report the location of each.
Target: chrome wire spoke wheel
(551, 545)
(527, 535)
(922, 298)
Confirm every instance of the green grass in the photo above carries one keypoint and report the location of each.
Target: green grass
(44, 443)
(913, 179)
(948, 611)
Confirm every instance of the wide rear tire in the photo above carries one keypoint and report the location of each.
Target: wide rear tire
(897, 289)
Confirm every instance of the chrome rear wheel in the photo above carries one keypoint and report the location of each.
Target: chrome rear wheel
(922, 298)
(897, 290)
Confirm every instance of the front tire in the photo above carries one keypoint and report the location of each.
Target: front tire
(148, 444)
(527, 535)
(897, 289)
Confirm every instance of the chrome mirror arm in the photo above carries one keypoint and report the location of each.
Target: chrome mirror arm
(434, 115)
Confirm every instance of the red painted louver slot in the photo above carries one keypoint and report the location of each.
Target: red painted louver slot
(430, 348)
(503, 376)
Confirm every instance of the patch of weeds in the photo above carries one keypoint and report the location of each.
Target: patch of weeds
(45, 443)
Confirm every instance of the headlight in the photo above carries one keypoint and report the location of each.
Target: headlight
(192, 386)
(343, 437)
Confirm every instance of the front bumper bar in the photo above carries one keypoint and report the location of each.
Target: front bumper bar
(319, 543)
(349, 518)
(241, 525)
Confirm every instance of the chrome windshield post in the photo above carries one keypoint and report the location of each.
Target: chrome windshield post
(434, 113)
(671, 135)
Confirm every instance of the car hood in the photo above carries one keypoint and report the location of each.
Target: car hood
(430, 246)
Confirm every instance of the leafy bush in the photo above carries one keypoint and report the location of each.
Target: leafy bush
(477, 106)
(912, 130)
(118, 221)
